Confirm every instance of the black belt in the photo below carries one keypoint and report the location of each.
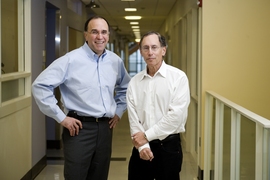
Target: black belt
(168, 138)
(86, 118)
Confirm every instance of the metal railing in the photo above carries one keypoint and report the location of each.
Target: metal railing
(236, 141)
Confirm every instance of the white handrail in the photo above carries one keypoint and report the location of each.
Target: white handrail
(245, 112)
(262, 138)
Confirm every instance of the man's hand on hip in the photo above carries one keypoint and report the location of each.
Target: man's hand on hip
(72, 124)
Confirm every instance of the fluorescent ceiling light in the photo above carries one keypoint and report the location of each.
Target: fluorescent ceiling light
(127, 0)
(134, 23)
(137, 36)
(137, 40)
(136, 30)
(135, 27)
(130, 9)
(133, 17)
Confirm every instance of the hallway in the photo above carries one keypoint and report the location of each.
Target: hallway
(119, 162)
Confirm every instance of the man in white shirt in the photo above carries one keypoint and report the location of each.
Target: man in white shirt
(157, 101)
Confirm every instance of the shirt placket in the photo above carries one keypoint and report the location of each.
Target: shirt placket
(151, 103)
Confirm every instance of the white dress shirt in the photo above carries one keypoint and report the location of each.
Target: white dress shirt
(158, 105)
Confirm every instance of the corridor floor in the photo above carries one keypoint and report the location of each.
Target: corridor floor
(121, 152)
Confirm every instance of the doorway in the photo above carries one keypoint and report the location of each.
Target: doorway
(52, 40)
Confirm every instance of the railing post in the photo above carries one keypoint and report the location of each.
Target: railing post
(265, 155)
(219, 122)
(207, 136)
(235, 145)
(259, 154)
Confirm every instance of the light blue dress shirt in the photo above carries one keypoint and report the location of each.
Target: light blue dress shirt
(91, 85)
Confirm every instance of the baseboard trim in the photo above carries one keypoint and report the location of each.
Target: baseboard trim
(200, 173)
(54, 144)
(36, 169)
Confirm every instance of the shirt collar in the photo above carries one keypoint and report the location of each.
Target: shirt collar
(161, 71)
(91, 53)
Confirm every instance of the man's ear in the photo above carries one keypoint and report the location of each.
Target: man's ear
(164, 51)
(85, 34)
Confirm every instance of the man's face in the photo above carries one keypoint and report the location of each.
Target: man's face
(97, 35)
(151, 50)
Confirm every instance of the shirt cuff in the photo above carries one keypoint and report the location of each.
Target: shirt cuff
(144, 146)
(119, 113)
(150, 134)
(60, 117)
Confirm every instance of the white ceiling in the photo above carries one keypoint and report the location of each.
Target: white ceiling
(153, 14)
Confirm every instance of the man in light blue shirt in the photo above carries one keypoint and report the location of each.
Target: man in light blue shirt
(93, 83)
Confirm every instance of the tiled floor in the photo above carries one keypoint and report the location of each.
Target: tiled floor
(120, 155)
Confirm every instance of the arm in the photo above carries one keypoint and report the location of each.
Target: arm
(121, 89)
(120, 95)
(43, 92)
(136, 128)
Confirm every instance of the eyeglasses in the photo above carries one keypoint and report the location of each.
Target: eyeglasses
(96, 32)
(154, 48)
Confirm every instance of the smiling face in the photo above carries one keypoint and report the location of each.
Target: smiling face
(152, 51)
(97, 35)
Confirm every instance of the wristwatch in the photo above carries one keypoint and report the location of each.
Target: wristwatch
(145, 137)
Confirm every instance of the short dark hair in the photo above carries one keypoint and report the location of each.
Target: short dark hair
(161, 38)
(95, 17)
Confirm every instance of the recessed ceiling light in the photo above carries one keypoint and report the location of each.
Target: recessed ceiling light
(134, 23)
(136, 30)
(133, 17)
(130, 9)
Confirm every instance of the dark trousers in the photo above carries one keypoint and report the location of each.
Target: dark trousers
(87, 155)
(166, 164)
